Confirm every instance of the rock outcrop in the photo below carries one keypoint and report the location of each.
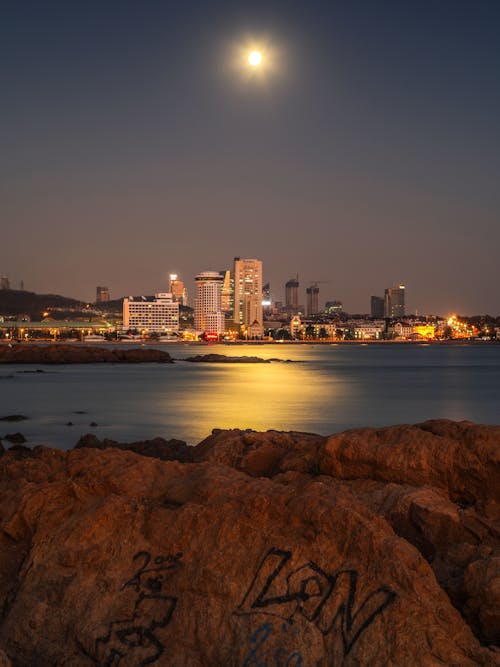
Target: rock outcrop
(365, 548)
(60, 353)
(225, 359)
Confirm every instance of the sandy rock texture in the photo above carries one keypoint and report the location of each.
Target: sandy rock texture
(285, 549)
(60, 353)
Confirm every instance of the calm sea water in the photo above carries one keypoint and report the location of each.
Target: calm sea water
(335, 387)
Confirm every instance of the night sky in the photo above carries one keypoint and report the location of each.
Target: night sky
(365, 152)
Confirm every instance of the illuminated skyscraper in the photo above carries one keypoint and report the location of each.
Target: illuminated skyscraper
(248, 296)
(394, 301)
(177, 289)
(292, 295)
(208, 316)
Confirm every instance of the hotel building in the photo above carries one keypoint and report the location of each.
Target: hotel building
(158, 315)
(208, 315)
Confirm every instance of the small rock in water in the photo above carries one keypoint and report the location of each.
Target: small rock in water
(13, 418)
(69, 423)
(93, 424)
(16, 438)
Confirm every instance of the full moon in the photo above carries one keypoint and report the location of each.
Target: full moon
(255, 58)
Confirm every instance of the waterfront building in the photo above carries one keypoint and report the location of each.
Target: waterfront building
(292, 295)
(102, 294)
(177, 289)
(366, 329)
(248, 297)
(377, 307)
(295, 326)
(151, 315)
(402, 330)
(208, 315)
(394, 301)
(424, 330)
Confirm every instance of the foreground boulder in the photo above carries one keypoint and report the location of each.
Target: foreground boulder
(266, 549)
(60, 353)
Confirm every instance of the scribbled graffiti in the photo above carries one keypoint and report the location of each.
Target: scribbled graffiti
(136, 637)
(262, 653)
(329, 600)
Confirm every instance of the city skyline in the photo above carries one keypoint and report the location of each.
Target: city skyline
(367, 155)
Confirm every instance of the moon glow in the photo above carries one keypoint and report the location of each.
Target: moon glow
(255, 58)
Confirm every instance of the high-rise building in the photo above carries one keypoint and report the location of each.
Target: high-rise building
(394, 301)
(227, 293)
(248, 296)
(177, 289)
(102, 294)
(208, 315)
(377, 307)
(160, 315)
(312, 296)
(4, 282)
(292, 295)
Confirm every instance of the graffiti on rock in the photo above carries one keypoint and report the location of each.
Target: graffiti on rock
(135, 637)
(329, 600)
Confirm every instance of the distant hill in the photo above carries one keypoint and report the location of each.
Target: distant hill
(16, 302)
(19, 302)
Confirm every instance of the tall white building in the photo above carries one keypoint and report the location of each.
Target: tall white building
(248, 296)
(208, 315)
(158, 315)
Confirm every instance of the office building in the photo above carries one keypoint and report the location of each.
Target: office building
(292, 295)
(102, 294)
(151, 315)
(208, 315)
(177, 289)
(377, 307)
(248, 297)
(312, 297)
(394, 302)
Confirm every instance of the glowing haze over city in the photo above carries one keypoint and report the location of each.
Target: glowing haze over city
(354, 144)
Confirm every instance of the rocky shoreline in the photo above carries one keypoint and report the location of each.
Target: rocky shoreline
(86, 354)
(370, 547)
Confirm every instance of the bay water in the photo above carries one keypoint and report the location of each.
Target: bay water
(324, 389)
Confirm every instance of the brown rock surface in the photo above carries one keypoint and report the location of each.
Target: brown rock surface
(267, 549)
(60, 353)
